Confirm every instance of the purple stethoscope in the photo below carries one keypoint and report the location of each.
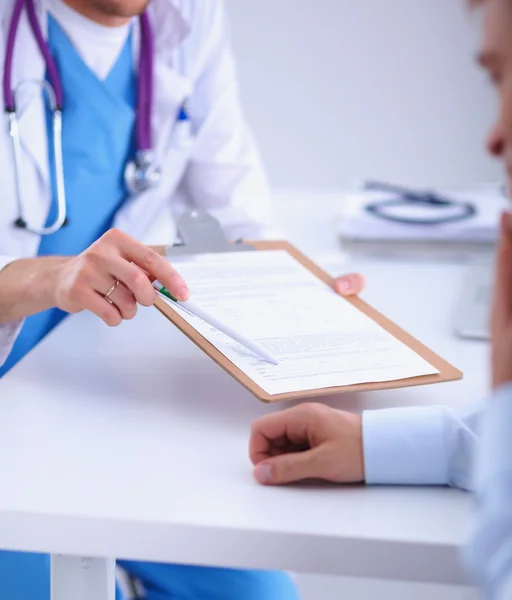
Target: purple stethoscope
(141, 174)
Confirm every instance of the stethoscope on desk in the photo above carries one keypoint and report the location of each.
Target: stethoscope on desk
(410, 198)
(141, 174)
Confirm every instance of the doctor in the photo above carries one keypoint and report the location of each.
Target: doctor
(139, 107)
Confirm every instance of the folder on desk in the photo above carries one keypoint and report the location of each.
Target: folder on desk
(366, 232)
(325, 344)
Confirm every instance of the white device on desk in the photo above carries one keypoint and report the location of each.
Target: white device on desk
(474, 305)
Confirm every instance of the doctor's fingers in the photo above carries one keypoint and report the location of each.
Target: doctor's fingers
(122, 305)
(136, 281)
(120, 297)
(107, 312)
(149, 261)
(125, 302)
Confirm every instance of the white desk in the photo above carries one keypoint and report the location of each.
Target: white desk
(131, 443)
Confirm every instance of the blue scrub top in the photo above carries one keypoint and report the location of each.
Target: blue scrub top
(98, 139)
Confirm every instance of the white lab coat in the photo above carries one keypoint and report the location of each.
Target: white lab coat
(216, 168)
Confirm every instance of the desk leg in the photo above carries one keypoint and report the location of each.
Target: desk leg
(78, 578)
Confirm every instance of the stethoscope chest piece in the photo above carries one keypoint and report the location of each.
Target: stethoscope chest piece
(142, 174)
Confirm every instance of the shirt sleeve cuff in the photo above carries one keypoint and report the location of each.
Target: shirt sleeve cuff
(405, 446)
(494, 460)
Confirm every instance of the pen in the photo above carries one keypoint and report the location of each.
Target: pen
(190, 307)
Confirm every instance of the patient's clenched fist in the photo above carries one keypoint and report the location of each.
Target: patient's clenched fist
(309, 441)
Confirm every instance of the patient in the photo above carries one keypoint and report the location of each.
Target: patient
(431, 445)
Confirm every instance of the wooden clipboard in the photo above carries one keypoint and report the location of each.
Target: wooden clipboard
(447, 372)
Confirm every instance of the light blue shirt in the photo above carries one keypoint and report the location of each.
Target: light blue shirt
(489, 552)
(469, 449)
(431, 445)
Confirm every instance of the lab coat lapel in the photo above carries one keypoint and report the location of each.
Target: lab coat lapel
(28, 70)
(170, 90)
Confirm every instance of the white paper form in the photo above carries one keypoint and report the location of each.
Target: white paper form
(320, 339)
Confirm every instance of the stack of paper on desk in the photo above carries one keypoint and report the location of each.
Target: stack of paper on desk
(321, 340)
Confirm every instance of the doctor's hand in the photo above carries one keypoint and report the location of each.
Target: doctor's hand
(501, 321)
(350, 284)
(111, 277)
(309, 441)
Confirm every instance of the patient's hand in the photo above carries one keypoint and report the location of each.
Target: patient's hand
(350, 284)
(309, 441)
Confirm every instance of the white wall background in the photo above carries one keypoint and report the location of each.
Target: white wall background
(342, 89)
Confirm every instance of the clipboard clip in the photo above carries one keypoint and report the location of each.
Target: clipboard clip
(200, 233)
